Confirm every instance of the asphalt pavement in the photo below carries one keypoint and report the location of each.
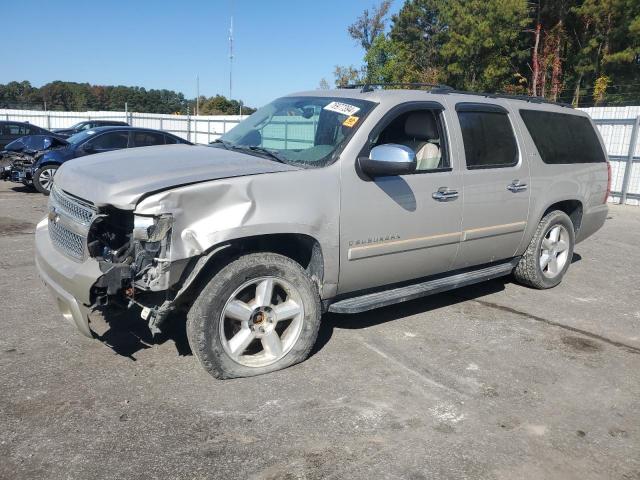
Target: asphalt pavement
(496, 381)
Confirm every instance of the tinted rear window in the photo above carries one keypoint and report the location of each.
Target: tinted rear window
(488, 139)
(562, 138)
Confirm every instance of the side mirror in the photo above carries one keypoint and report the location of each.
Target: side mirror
(88, 148)
(389, 159)
(46, 143)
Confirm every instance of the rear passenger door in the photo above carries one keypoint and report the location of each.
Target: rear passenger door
(496, 185)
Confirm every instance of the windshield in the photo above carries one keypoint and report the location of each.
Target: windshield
(304, 131)
(80, 126)
(80, 137)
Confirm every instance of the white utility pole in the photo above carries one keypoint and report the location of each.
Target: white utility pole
(197, 94)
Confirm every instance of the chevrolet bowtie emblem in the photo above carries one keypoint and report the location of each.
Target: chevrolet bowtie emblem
(53, 216)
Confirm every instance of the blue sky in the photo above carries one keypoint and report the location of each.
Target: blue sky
(280, 45)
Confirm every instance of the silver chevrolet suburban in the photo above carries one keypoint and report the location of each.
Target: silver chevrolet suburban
(339, 200)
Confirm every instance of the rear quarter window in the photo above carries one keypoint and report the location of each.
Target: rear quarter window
(563, 138)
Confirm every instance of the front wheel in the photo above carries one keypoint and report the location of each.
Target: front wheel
(43, 178)
(549, 254)
(259, 314)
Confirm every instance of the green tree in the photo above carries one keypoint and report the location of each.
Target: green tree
(347, 75)
(73, 96)
(609, 47)
(370, 25)
(365, 30)
(481, 50)
(418, 32)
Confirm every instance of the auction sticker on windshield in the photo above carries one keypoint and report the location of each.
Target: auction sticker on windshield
(350, 121)
(343, 108)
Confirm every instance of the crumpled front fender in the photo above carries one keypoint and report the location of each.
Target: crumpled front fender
(210, 213)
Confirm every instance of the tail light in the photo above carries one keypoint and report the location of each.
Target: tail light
(606, 196)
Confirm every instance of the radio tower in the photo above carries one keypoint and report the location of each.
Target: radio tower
(231, 59)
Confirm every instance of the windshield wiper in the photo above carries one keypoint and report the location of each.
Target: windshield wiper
(271, 153)
(253, 148)
(266, 151)
(224, 143)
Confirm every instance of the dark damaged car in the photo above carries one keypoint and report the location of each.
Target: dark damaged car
(20, 154)
(88, 142)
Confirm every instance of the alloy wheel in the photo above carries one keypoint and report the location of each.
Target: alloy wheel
(261, 321)
(554, 251)
(46, 178)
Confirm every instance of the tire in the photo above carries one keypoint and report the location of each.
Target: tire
(232, 323)
(537, 267)
(43, 178)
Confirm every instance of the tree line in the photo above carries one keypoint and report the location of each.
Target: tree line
(584, 52)
(71, 96)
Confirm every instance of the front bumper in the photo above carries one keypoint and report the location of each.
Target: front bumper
(20, 175)
(5, 172)
(69, 281)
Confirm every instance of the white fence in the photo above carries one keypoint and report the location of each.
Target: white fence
(619, 126)
(620, 129)
(197, 129)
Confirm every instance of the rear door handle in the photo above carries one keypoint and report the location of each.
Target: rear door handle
(444, 194)
(516, 186)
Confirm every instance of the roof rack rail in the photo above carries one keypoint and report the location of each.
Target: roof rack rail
(369, 87)
(524, 98)
(446, 89)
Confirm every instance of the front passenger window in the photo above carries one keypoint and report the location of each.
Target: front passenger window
(421, 131)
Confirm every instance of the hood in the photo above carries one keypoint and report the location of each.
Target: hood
(35, 143)
(120, 178)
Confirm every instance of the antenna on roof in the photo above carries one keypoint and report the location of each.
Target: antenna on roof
(231, 58)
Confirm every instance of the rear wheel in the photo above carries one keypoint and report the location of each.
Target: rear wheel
(43, 178)
(259, 314)
(549, 254)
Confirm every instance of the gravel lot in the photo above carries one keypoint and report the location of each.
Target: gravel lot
(496, 381)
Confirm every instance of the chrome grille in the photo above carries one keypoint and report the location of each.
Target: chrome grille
(69, 222)
(70, 243)
(81, 212)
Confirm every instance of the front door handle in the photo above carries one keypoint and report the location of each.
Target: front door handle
(444, 194)
(516, 186)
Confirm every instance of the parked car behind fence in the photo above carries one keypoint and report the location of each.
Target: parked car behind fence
(10, 131)
(87, 125)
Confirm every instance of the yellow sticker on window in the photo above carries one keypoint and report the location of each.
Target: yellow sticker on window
(350, 121)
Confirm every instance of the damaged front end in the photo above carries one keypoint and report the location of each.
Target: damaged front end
(133, 252)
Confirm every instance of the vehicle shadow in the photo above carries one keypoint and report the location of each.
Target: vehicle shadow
(333, 321)
(24, 189)
(126, 333)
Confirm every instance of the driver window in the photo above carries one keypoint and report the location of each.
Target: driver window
(420, 130)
